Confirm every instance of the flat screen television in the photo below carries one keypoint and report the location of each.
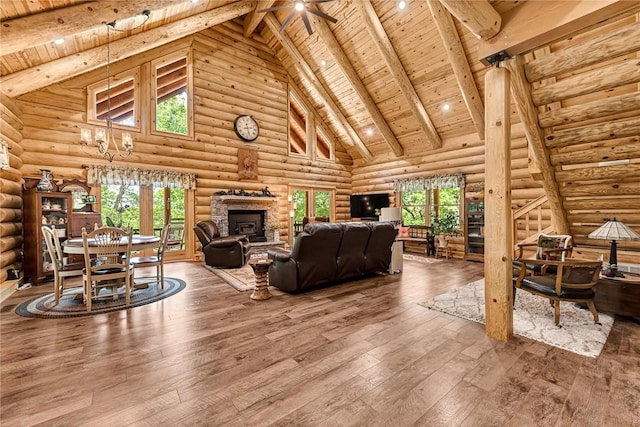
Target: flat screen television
(367, 206)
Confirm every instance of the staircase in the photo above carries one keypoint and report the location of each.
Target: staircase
(527, 220)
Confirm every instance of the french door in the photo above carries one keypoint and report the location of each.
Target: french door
(309, 202)
(147, 210)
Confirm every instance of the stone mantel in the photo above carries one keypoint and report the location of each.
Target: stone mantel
(245, 199)
(221, 204)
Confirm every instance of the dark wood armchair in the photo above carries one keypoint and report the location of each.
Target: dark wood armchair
(573, 280)
(547, 247)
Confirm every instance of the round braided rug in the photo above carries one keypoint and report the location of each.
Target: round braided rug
(44, 306)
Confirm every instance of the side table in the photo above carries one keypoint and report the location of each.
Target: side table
(260, 267)
(619, 295)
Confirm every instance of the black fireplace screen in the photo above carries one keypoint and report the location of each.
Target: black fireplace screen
(249, 223)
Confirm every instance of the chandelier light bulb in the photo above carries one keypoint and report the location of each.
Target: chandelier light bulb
(299, 6)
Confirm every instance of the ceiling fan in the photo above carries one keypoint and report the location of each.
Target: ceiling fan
(301, 7)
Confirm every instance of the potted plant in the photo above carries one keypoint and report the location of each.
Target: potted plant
(445, 226)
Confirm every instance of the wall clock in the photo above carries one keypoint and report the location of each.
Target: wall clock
(246, 128)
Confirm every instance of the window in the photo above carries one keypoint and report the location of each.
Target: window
(171, 77)
(324, 147)
(297, 128)
(310, 202)
(117, 100)
(437, 202)
(305, 138)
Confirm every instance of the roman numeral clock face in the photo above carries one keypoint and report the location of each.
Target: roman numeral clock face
(246, 128)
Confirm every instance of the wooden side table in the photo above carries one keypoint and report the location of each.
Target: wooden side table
(260, 267)
(619, 295)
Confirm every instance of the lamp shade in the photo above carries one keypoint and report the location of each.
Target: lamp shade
(614, 230)
(390, 214)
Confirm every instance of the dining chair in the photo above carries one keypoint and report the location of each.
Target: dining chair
(60, 269)
(111, 249)
(156, 260)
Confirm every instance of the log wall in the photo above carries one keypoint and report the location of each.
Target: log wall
(233, 75)
(10, 196)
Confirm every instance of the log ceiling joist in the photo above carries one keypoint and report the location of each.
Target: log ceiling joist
(358, 87)
(61, 69)
(530, 25)
(253, 19)
(521, 92)
(40, 28)
(477, 15)
(459, 64)
(306, 73)
(388, 53)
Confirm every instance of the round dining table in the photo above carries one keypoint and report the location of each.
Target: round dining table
(138, 243)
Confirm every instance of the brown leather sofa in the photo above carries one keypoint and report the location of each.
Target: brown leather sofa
(330, 252)
(222, 252)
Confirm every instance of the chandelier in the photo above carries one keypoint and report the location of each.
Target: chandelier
(104, 137)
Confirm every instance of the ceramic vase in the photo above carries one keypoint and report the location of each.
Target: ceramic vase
(45, 183)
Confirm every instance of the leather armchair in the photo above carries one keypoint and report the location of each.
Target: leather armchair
(222, 252)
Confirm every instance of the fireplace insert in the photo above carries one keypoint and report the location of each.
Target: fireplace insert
(247, 222)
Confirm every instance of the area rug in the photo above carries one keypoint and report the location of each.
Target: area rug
(533, 318)
(44, 306)
(241, 279)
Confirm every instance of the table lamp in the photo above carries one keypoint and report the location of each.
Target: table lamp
(393, 215)
(614, 230)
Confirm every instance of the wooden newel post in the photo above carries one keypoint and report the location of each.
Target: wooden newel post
(498, 254)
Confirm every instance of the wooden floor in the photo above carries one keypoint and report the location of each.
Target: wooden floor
(363, 353)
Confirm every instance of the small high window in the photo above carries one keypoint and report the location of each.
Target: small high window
(324, 147)
(172, 107)
(297, 128)
(117, 100)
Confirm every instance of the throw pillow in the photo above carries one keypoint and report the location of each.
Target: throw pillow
(403, 232)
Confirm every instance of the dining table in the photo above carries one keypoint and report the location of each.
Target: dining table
(138, 243)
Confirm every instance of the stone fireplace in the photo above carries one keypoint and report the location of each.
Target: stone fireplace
(247, 215)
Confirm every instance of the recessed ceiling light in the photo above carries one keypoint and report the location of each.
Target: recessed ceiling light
(58, 41)
(323, 62)
(446, 106)
(369, 131)
(402, 4)
(195, 1)
(299, 5)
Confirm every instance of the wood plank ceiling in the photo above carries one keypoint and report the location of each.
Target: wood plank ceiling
(380, 78)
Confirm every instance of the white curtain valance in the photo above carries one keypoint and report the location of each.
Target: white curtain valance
(429, 182)
(116, 175)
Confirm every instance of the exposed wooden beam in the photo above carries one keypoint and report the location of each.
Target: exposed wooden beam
(521, 91)
(532, 25)
(314, 83)
(253, 19)
(616, 43)
(459, 64)
(393, 63)
(358, 87)
(498, 294)
(61, 69)
(40, 28)
(597, 109)
(477, 15)
(615, 75)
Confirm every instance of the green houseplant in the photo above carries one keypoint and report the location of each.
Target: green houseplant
(446, 225)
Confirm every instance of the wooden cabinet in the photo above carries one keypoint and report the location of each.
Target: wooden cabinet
(474, 223)
(87, 220)
(50, 208)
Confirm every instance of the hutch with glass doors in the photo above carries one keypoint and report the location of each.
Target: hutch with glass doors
(475, 229)
(43, 208)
